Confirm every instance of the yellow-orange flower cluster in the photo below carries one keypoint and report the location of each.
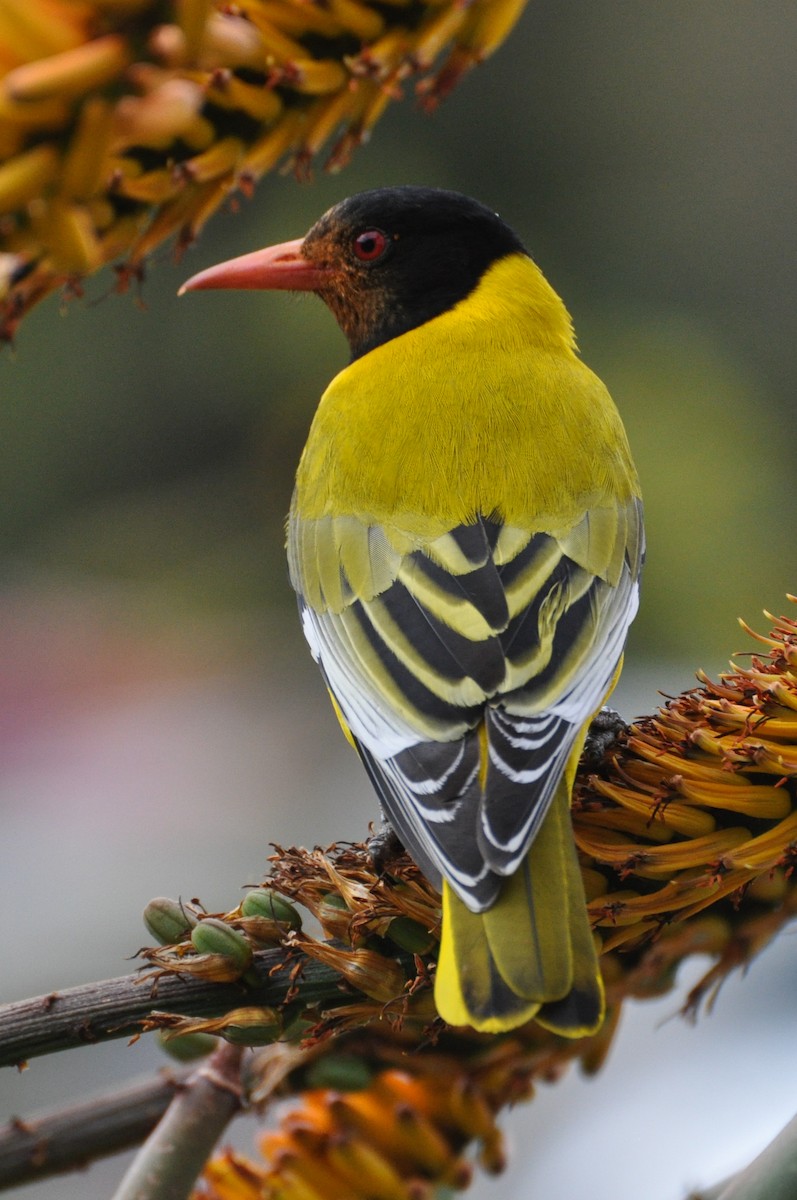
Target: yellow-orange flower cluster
(401, 1137)
(690, 827)
(125, 121)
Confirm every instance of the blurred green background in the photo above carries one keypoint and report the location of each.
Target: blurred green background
(161, 721)
(645, 154)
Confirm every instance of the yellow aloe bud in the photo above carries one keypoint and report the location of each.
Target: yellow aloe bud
(278, 46)
(73, 72)
(17, 119)
(27, 176)
(85, 160)
(257, 101)
(29, 31)
(731, 795)
(294, 1187)
(310, 76)
(492, 1153)
(184, 212)
(655, 861)
(150, 187)
(486, 24)
(298, 20)
(192, 17)
(768, 848)
(489, 24)
(219, 159)
(303, 1180)
(365, 1169)
(116, 238)
(232, 41)
(680, 818)
(359, 19)
(769, 889)
(470, 1110)
(324, 118)
(435, 32)
(67, 235)
(381, 59)
(429, 1149)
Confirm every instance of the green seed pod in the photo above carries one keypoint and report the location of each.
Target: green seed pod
(343, 1072)
(261, 902)
(252, 1026)
(188, 1046)
(212, 936)
(168, 920)
(410, 935)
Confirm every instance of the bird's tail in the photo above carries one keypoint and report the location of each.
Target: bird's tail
(532, 955)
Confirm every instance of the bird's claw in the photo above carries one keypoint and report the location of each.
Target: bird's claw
(604, 731)
(384, 846)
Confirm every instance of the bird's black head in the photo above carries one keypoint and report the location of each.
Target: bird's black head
(394, 258)
(384, 261)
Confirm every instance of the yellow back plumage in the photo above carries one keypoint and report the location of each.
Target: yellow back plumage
(486, 408)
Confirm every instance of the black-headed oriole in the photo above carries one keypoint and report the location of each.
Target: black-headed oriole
(465, 539)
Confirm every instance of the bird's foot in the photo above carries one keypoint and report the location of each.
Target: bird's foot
(604, 731)
(384, 846)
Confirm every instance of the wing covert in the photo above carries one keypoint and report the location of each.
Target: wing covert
(466, 668)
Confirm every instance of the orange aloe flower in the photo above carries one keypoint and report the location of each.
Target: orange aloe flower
(123, 122)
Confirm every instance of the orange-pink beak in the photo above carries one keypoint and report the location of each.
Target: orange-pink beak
(276, 268)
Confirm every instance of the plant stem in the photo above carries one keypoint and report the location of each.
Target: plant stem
(115, 1008)
(68, 1138)
(770, 1176)
(173, 1155)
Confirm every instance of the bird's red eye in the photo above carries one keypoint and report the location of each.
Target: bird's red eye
(370, 245)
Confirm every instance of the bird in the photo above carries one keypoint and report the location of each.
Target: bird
(465, 539)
